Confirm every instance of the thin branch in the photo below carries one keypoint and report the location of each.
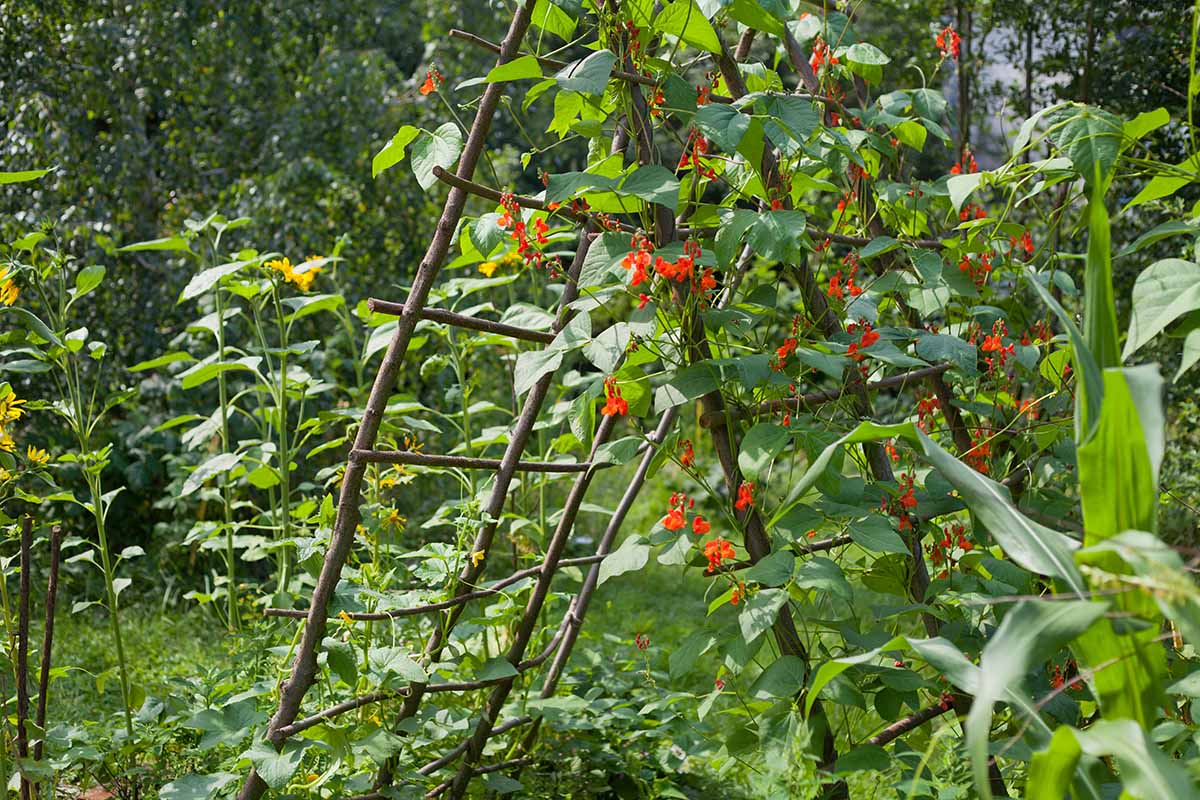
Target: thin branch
(487, 591)
(22, 666)
(462, 321)
(47, 637)
(813, 399)
(413, 458)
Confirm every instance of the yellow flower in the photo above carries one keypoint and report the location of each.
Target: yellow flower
(10, 408)
(387, 481)
(344, 617)
(302, 280)
(6, 442)
(8, 288)
(488, 268)
(5, 475)
(394, 519)
(39, 458)
(477, 557)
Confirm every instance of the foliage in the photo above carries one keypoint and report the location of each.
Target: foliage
(904, 519)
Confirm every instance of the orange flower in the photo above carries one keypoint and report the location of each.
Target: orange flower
(614, 403)
(700, 526)
(433, 80)
(745, 496)
(674, 520)
(717, 552)
(688, 458)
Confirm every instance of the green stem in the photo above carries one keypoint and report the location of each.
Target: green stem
(113, 608)
(233, 618)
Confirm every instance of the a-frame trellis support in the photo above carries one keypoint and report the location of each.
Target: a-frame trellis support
(716, 418)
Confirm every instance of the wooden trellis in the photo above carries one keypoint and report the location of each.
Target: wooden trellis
(465, 757)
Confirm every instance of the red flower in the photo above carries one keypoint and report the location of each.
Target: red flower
(717, 552)
(745, 496)
(614, 403)
(707, 281)
(433, 80)
(688, 458)
(540, 227)
(739, 592)
(674, 520)
(949, 42)
(642, 641)
(642, 300)
(700, 526)
(991, 343)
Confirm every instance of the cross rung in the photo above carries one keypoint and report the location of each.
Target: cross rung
(461, 321)
(462, 462)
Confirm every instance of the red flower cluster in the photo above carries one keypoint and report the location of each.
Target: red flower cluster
(642, 640)
(656, 103)
(965, 164)
(739, 592)
(717, 552)
(837, 288)
(981, 450)
(782, 352)
(433, 81)
(703, 95)
(638, 259)
(1038, 333)
(889, 448)
(745, 496)
(869, 337)
(1025, 243)
(698, 146)
(688, 457)
(971, 211)
(977, 271)
(613, 403)
(520, 233)
(949, 42)
(942, 552)
(993, 343)
(680, 269)
(675, 518)
(846, 200)
(927, 407)
(822, 54)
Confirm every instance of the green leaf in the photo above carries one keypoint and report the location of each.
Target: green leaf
(1166, 230)
(684, 656)
(173, 357)
(723, 124)
(275, 768)
(684, 20)
(195, 787)
(552, 19)
(1028, 635)
(204, 372)
(217, 465)
(1091, 383)
(655, 184)
(1052, 771)
(1167, 183)
(1099, 311)
(831, 669)
(515, 70)
(878, 246)
(588, 75)
(1146, 122)
(960, 187)
(396, 661)
(774, 569)
(753, 15)
(312, 304)
(1163, 292)
(823, 576)
(172, 243)
(1118, 487)
(1090, 137)
(88, 279)
(21, 177)
(876, 534)
(33, 323)
(941, 347)
(762, 444)
(532, 365)
(759, 612)
(863, 53)
(1030, 544)
(866, 758)
(392, 153)
(632, 555)
(496, 668)
(783, 678)
(1146, 772)
(437, 149)
(202, 281)
(501, 784)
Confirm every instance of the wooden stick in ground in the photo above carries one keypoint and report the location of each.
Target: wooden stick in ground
(304, 667)
(47, 637)
(23, 651)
